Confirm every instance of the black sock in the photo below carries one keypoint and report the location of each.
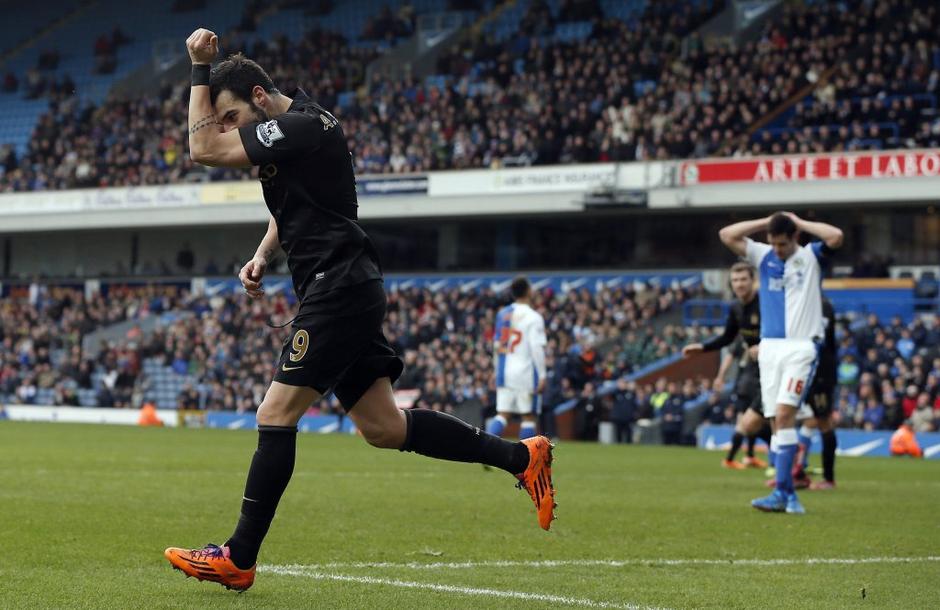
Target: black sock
(765, 433)
(829, 445)
(736, 441)
(270, 471)
(442, 436)
(751, 438)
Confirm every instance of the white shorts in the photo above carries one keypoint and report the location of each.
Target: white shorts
(787, 367)
(521, 402)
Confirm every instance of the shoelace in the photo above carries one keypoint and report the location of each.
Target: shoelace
(211, 551)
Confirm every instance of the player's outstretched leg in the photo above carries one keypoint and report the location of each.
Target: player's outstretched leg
(442, 436)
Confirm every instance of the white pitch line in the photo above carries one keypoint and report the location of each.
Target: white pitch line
(473, 591)
(554, 563)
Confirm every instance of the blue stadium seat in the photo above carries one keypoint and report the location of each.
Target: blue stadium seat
(75, 42)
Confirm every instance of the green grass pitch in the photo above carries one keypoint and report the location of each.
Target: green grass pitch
(86, 511)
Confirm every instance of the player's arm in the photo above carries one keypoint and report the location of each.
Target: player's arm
(732, 328)
(828, 234)
(715, 343)
(537, 341)
(735, 236)
(269, 243)
(723, 369)
(251, 274)
(208, 144)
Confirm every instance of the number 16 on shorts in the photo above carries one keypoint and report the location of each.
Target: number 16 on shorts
(795, 386)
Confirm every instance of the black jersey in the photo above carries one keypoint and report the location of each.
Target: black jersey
(309, 187)
(743, 319)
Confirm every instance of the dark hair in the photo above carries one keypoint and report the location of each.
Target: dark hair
(743, 266)
(519, 287)
(781, 224)
(239, 75)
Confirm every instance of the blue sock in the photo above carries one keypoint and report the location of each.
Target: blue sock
(806, 439)
(496, 425)
(526, 430)
(787, 446)
(772, 452)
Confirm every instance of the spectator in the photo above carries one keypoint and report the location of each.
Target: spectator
(658, 399)
(717, 413)
(188, 398)
(588, 413)
(48, 60)
(624, 410)
(871, 417)
(848, 371)
(922, 419)
(10, 82)
(909, 403)
(185, 259)
(671, 416)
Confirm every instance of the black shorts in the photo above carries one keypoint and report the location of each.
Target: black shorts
(747, 393)
(336, 344)
(820, 398)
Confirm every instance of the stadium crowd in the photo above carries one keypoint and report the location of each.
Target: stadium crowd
(618, 94)
(224, 348)
(884, 95)
(41, 343)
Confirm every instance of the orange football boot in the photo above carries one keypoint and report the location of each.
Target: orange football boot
(537, 479)
(211, 563)
(732, 464)
(755, 462)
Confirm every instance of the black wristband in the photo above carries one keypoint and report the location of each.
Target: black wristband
(200, 75)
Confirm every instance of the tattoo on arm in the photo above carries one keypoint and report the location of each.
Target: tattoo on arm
(267, 254)
(203, 122)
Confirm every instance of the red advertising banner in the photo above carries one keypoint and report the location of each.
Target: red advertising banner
(813, 168)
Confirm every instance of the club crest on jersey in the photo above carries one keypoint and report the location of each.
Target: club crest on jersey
(269, 133)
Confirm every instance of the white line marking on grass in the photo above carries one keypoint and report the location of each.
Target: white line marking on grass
(473, 591)
(553, 563)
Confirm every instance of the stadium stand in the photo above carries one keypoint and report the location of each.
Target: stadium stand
(85, 139)
(42, 360)
(225, 350)
(216, 353)
(97, 44)
(544, 82)
(882, 94)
